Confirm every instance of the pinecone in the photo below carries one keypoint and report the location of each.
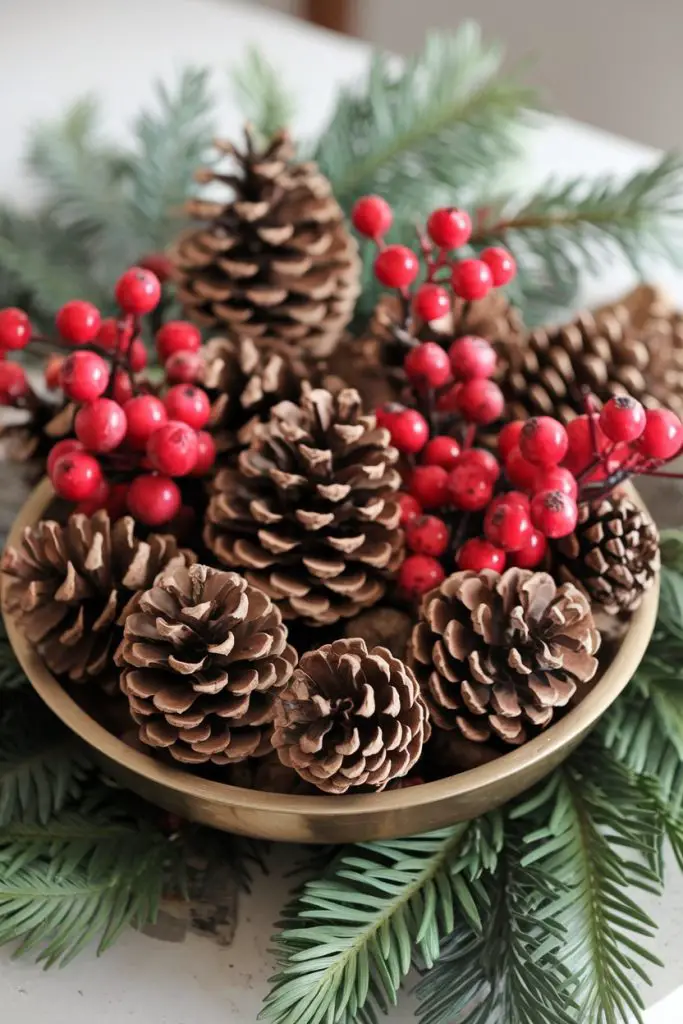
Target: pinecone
(275, 263)
(492, 318)
(350, 717)
(613, 553)
(312, 515)
(31, 436)
(495, 655)
(202, 660)
(72, 587)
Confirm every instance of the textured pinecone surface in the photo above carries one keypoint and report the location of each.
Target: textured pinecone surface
(350, 717)
(31, 437)
(496, 654)
(613, 553)
(312, 516)
(202, 660)
(71, 587)
(276, 263)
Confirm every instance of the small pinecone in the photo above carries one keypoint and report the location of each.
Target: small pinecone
(496, 655)
(613, 553)
(73, 586)
(312, 515)
(276, 263)
(350, 717)
(30, 438)
(202, 660)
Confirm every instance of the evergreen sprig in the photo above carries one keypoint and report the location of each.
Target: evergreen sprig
(263, 98)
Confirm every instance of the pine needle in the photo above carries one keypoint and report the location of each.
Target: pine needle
(262, 96)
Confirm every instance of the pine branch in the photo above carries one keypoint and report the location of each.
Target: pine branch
(264, 101)
(348, 938)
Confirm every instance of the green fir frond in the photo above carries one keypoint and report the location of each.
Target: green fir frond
(348, 939)
(12, 675)
(264, 100)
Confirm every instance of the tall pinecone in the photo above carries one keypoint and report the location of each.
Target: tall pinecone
(312, 515)
(350, 717)
(202, 660)
(72, 587)
(276, 263)
(495, 655)
(613, 553)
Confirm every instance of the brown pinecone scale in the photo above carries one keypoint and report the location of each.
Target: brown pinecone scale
(350, 717)
(71, 587)
(202, 660)
(497, 654)
(311, 516)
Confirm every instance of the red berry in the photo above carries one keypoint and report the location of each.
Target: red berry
(78, 322)
(184, 368)
(501, 263)
(431, 302)
(471, 279)
(386, 414)
(137, 356)
(448, 400)
(397, 266)
(123, 387)
(76, 476)
(543, 441)
(173, 448)
(468, 489)
(477, 554)
(97, 501)
(85, 376)
(520, 472)
(371, 216)
(509, 438)
(188, 403)
(484, 461)
(427, 535)
(663, 435)
(554, 513)
(472, 357)
(153, 499)
(144, 415)
(449, 228)
(138, 291)
(409, 431)
(427, 366)
(63, 447)
(441, 451)
(13, 383)
(410, 507)
(177, 336)
(15, 328)
(159, 264)
(622, 418)
(419, 574)
(53, 372)
(533, 552)
(480, 401)
(517, 498)
(556, 478)
(429, 485)
(117, 500)
(108, 334)
(507, 525)
(580, 450)
(101, 425)
(206, 453)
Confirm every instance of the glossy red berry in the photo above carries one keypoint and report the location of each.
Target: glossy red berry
(427, 366)
(386, 414)
(15, 328)
(448, 400)
(663, 435)
(472, 357)
(137, 356)
(543, 441)
(101, 425)
(188, 403)
(509, 438)
(427, 535)
(556, 478)
(449, 228)
(431, 302)
(123, 387)
(206, 453)
(441, 451)
(501, 263)
(480, 401)
(477, 554)
(85, 376)
(507, 525)
(410, 507)
(76, 476)
(372, 216)
(520, 472)
(553, 513)
(429, 486)
(484, 461)
(63, 447)
(153, 499)
(144, 415)
(419, 574)
(471, 279)
(78, 322)
(580, 444)
(109, 332)
(53, 372)
(173, 448)
(138, 291)
(409, 431)
(468, 489)
(98, 500)
(184, 368)
(177, 336)
(159, 264)
(622, 418)
(397, 266)
(13, 383)
(533, 552)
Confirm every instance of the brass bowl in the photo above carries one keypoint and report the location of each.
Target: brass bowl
(330, 819)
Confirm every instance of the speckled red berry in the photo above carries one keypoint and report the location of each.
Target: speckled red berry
(144, 415)
(188, 403)
(484, 461)
(519, 471)
(468, 489)
(153, 499)
(418, 575)
(427, 366)
(471, 357)
(173, 448)
(533, 552)
(429, 486)
(543, 441)
(663, 435)
(509, 438)
(441, 451)
(138, 291)
(409, 431)
(371, 216)
(427, 535)
(501, 263)
(63, 447)
(449, 227)
(78, 322)
(98, 500)
(397, 266)
(554, 513)
(410, 507)
(507, 525)
(480, 401)
(101, 425)
(622, 419)
(477, 554)
(177, 336)
(556, 478)
(431, 302)
(76, 476)
(580, 443)
(15, 328)
(471, 279)
(85, 376)
(184, 368)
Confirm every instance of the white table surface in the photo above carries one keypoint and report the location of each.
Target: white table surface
(52, 54)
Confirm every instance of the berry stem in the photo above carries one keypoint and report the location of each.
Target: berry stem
(470, 435)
